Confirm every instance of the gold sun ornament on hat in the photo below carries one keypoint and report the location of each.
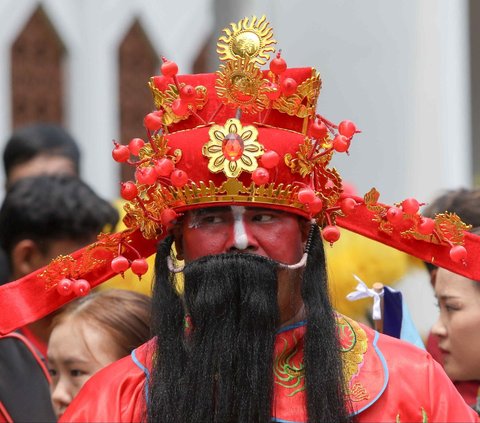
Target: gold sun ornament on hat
(250, 39)
(245, 47)
(241, 84)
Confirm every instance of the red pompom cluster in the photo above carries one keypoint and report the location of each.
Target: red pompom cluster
(408, 210)
(283, 85)
(148, 171)
(269, 160)
(342, 133)
(79, 287)
(121, 264)
(187, 93)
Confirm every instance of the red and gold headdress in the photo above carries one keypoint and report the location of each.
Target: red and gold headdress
(246, 136)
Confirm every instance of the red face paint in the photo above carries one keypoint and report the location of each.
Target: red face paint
(269, 233)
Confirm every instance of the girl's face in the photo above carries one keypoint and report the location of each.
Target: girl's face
(458, 326)
(76, 350)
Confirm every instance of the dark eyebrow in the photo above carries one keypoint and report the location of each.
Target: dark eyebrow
(221, 209)
(218, 209)
(446, 297)
(67, 361)
(265, 209)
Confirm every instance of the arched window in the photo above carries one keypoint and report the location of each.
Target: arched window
(137, 62)
(37, 72)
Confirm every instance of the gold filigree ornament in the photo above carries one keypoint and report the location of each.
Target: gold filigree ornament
(353, 345)
(94, 256)
(449, 229)
(156, 149)
(308, 157)
(303, 102)
(163, 101)
(240, 84)
(145, 215)
(247, 39)
(232, 148)
(288, 370)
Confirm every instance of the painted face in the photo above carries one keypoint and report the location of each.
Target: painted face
(458, 325)
(269, 233)
(275, 234)
(76, 350)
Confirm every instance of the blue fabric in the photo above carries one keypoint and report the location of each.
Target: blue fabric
(397, 321)
(392, 312)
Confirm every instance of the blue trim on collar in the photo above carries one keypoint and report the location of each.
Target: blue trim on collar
(144, 370)
(385, 372)
(274, 420)
(289, 327)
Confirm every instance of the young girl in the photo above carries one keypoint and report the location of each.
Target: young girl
(90, 333)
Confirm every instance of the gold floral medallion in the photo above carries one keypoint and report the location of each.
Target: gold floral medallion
(232, 148)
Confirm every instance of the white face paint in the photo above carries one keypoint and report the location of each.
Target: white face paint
(239, 232)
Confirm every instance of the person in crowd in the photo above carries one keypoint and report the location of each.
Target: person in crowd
(40, 218)
(90, 333)
(457, 327)
(40, 148)
(35, 149)
(466, 204)
(47, 148)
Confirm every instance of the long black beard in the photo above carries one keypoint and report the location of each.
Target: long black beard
(221, 370)
(227, 369)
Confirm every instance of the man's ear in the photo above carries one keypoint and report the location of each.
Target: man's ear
(26, 257)
(178, 241)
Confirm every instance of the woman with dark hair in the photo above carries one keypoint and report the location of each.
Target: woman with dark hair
(90, 333)
(457, 328)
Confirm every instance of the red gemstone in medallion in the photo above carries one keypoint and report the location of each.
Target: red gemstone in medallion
(232, 147)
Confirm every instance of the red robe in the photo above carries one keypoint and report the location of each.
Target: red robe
(389, 380)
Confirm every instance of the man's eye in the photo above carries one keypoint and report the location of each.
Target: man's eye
(211, 219)
(262, 218)
(76, 373)
(52, 372)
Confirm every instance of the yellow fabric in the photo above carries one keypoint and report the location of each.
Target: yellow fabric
(370, 260)
(130, 281)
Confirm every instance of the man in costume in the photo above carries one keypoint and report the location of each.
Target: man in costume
(235, 171)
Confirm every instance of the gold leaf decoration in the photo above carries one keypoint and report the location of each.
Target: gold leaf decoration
(304, 162)
(163, 101)
(303, 102)
(449, 229)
